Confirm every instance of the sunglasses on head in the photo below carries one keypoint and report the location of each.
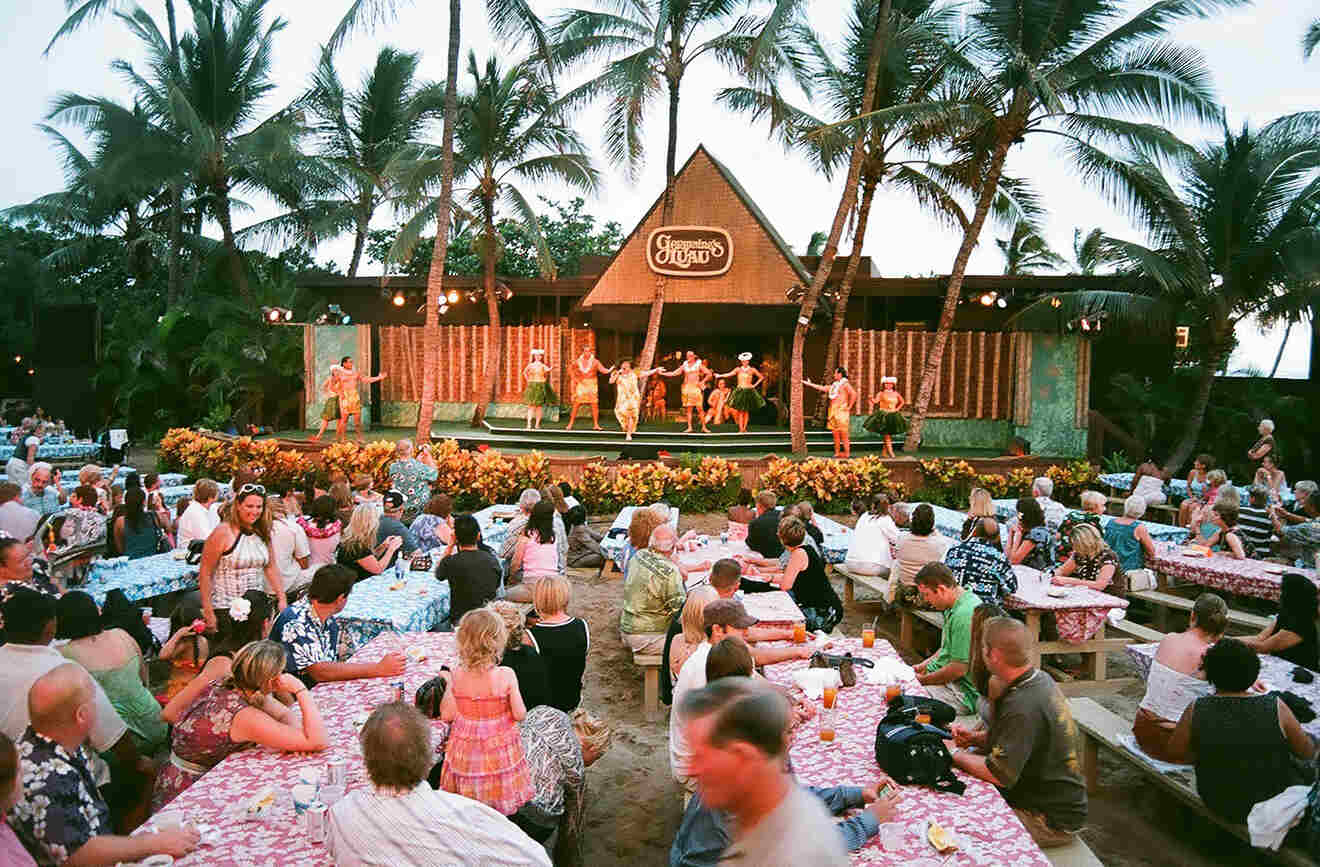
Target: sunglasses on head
(251, 488)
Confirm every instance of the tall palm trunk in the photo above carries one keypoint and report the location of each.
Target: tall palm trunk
(1283, 344)
(363, 223)
(1192, 432)
(174, 278)
(435, 278)
(797, 424)
(666, 218)
(869, 184)
(237, 269)
(491, 373)
(989, 185)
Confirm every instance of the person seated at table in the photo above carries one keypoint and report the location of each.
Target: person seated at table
(1229, 541)
(250, 618)
(901, 514)
(693, 630)
(805, 513)
(343, 496)
(763, 531)
(474, 575)
(652, 593)
(186, 650)
(323, 529)
(361, 548)
(1197, 484)
(1176, 678)
(400, 820)
(137, 533)
(1292, 635)
(521, 656)
(11, 790)
(559, 749)
(412, 475)
(562, 640)
(484, 758)
(1271, 477)
(742, 511)
(804, 579)
(1246, 747)
(1307, 504)
(289, 547)
(870, 551)
(364, 490)
(988, 687)
(16, 519)
(1130, 541)
(1042, 491)
(1030, 542)
(242, 709)
(1255, 528)
(119, 612)
(583, 542)
(640, 525)
(526, 501)
(1148, 483)
(1197, 521)
(979, 505)
(536, 554)
(738, 729)
(434, 527)
(43, 493)
(981, 566)
(921, 545)
(795, 511)
(1029, 750)
(83, 523)
(236, 557)
(61, 817)
(947, 674)
(391, 524)
(114, 661)
(1093, 506)
(1092, 564)
(308, 630)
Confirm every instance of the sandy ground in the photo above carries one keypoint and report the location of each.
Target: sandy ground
(634, 805)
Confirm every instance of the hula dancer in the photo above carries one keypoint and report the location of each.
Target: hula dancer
(843, 397)
(717, 401)
(538, 394)
(887, 420)
(694, 371)
(746, 398)
(628, 398)
(585, 368)
(343, 384)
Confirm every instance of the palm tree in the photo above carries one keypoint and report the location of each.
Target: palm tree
(365, 134)
(1234, 234)
(816, 244)
(1075, 72)
(1087, 253)
(1025, 251)
(651, 46)
(508, 132)
(1311, 38)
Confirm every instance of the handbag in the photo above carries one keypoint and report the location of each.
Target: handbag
(905, 708)
(914, 754)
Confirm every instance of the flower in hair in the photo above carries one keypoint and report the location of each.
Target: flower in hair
(239, 609)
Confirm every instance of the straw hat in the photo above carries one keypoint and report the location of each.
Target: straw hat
(893, 379)
(538, 352)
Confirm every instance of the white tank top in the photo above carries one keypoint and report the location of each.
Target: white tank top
(1169, 692)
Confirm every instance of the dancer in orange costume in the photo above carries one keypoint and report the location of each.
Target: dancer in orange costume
(694, 371)
(585, 368)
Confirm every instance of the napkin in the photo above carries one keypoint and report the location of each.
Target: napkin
(812, 681)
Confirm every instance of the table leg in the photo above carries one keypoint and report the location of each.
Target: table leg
(905, 628)
(1033, 629)
(1091, 763)
(848, 591)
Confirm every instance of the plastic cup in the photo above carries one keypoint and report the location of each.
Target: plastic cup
(892, 692)
(868, 637)
(330, 795)
(827, 720)
(829, 695)
(893, 837)
(724, 538)
(799, 633)
(303, 797)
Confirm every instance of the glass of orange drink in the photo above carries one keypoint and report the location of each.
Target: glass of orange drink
(892, 692)
(829, 695)
(827, 725)
(799, 633)
(868, 637)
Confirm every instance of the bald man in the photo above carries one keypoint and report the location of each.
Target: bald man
(1030, 749)
(61, 817)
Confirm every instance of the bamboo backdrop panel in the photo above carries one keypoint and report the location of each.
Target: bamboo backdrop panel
(975, 379)
(463, 353)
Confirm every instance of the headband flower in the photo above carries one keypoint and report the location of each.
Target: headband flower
(199, 625)
(239, 609)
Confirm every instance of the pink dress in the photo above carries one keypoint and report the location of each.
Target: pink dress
(484, 758)
(12, 853)
(200, 741)
(540, 559)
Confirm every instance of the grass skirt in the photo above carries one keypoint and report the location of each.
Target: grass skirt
(745, 400)
(885, 422)
(330, 409)
(539, 394)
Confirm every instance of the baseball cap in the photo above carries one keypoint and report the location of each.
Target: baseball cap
(393, 498)
(727, 612)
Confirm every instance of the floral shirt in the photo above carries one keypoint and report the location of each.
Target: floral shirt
(306, 639)
(61, 808)
(983, 569)
(1074, 519)
(44, 503)
(413, 479)
(554, 756)
(82, 527)
(431, 532)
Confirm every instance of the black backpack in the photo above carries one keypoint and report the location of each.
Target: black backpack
(913, 752)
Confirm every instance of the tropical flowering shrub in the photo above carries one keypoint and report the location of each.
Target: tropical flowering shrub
(830, 485)
(948, 483)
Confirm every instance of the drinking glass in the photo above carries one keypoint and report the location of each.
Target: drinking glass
(829, 695)
(868, 637)
(827, 719)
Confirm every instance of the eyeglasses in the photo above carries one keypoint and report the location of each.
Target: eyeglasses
(251, 488)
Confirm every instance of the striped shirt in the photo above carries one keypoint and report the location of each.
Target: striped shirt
(373, 826)
(1255, 529)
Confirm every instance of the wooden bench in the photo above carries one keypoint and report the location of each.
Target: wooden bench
(875, 582)
(1164, 601)
(907, 618)
(1101, 727)
(649, 663)
(1136, 630)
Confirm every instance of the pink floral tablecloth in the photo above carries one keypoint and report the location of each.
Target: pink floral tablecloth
(218, 800)
(1080, 613)
(695, 559)
(1258, 578)
(980, 816)
(776, 607)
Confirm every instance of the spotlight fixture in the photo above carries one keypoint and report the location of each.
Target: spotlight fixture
(18, 359)
(1055, 302)
(1001, 302)
(31, 372)
(270, 314)
(337, 312)
(452, 296)
(444, 308)
(988, 298)
(399, 299)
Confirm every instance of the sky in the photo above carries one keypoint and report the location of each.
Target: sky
(1253, 53)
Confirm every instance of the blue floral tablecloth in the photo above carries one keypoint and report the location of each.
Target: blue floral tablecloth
(374, 608)
(56, 452)
(1005, 510)
(1176, 487)
(494, 531)
(613, 545)
(837, 539)
(141, 578)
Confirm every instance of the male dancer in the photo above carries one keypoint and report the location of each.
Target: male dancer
(585, 368)
(694, 371)
(843, 398)
(342, 388)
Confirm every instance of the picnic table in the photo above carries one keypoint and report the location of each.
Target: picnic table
(69, 480)
(377, 605)
(1080, 613)
(1275, 673)
(57, 451)
(1005, 510)
(613, 546)
(1176, 487)
(837, 539)
(1259, 578)
(141, 578)
(981, 818)
(494, 526)
(217, 802)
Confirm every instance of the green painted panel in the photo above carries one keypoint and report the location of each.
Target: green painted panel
(1054, 398)
(966, 433)
(332, 343)
(404, 413)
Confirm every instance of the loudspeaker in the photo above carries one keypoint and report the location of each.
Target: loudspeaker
(68, 335)
(66, 392)
(639, 453)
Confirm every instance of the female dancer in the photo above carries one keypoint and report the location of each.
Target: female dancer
(887, 420)
(843, 397)
(628, 399)
(538, 394)
(586, 366)
(717, 401)
(694, 372)
(746, 397)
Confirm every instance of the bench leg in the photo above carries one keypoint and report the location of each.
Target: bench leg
(848, 591)
(905, 628)
(1091, 763)
(651, 692)
(1094, 665)
(1033, 629)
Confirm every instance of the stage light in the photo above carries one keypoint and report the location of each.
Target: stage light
(1001, 302)
(444, 308)
(987, 299)
(270, 314)
(1055, 302)
(452, 296)
(399, 299)
(18, 359)
(31, 372)
(1086, 324)
(288, 315)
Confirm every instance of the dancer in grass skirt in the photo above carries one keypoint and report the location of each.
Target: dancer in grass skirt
(694, 372)
(538, 394)
(628, 397)
(843, 398)
(746, 398)
(885, 418)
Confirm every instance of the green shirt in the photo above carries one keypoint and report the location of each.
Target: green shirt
(956, 644)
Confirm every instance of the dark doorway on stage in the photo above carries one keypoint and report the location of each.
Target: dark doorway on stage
(721, 356)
